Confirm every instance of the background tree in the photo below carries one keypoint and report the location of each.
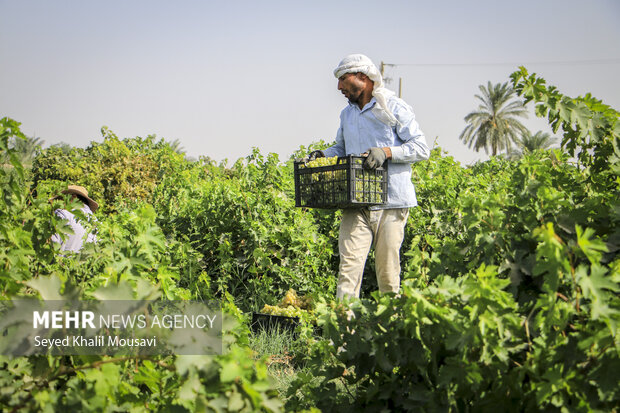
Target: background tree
(176, 146)
(63, 146)
(25, 148)
(529, 143)
(495, 125)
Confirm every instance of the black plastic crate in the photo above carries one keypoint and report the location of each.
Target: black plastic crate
(269, 321)
(345, 184)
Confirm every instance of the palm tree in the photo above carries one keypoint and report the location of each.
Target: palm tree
(495, 125)
(27, 149)
(175, 145)
(529, 143)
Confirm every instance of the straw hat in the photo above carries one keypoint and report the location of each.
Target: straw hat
(80, 190)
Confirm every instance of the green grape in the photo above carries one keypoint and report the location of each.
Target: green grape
(326, 187)
(322, 162)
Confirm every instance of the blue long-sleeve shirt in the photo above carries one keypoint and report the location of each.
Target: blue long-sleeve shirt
(75, 241)
(360, 130)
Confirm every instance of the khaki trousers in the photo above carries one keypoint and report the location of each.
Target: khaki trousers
(360, 229)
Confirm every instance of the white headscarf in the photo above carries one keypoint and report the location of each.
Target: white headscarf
(358, 63)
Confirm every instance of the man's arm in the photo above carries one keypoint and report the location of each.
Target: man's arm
(414, 147)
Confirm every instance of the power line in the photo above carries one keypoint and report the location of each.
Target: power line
(611, 61)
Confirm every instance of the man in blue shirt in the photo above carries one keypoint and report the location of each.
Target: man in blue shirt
(74, 240)
(382, 125)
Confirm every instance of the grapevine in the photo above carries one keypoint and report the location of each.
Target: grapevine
(510, 276)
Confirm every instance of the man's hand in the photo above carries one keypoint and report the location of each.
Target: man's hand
(376, 158)
(315, 154)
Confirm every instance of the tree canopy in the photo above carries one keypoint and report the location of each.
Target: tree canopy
(495, 125)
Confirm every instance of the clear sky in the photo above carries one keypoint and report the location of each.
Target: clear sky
(223, 77)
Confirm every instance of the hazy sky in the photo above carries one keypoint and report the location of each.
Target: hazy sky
(223, 77)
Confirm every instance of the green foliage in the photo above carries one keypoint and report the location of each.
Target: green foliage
(487, 214)
(465, 344)
(238, 227)
(117, 173)
(233, 382)
(591, 128)
(24, 233)
(434, 349)
(254, 243)
(510, 299)
(132, 259)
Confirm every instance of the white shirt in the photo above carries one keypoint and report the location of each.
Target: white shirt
(75, 241)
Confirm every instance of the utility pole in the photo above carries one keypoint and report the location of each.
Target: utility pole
(388, 80)
(382, 69)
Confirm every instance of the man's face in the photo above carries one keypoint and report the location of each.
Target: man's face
(351, 85)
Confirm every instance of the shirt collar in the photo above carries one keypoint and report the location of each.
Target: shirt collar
(368, 106)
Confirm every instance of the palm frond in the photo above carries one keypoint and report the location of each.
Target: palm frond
(495, 125)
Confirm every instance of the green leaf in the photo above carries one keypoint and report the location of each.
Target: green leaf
(235, 402)
(565, 109)
(48, 287)
(190, 388)
(581, 115)
(121, 291)
(597, 287)
(592, 248)
(231, 370)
